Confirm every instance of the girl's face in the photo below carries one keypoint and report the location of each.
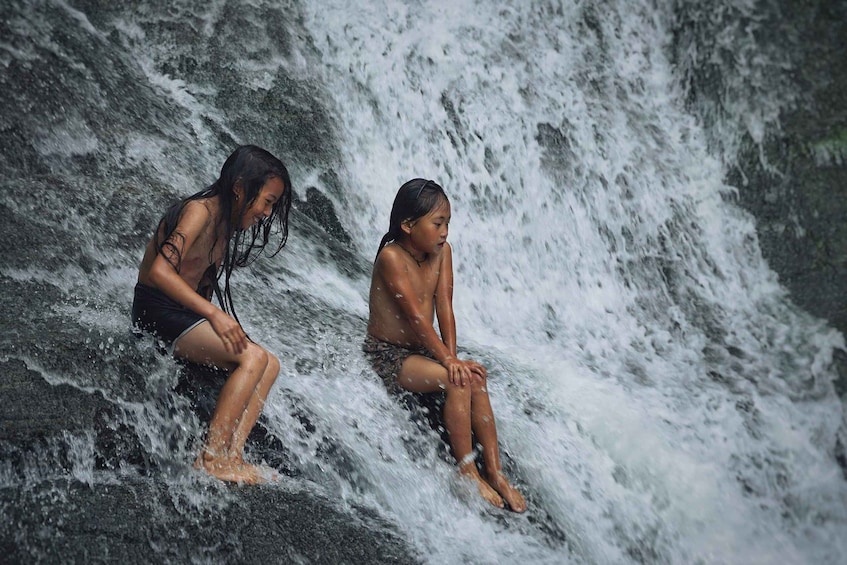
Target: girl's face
(262, 207)
(428, 233)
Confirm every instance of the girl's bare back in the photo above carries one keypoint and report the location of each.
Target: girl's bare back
(190, 245)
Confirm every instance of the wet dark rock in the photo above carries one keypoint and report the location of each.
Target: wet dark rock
(319, 208)
(266, 524)
(801, 204)
(30, 405)
(336, 246)
(67, 521)
(795, 182)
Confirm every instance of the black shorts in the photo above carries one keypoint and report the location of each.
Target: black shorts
(168, 320)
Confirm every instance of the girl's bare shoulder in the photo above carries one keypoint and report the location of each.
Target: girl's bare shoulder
(199, 212)
(448, 251)
(445, 257)
(388, 255)
(206, 207)
(386, 265)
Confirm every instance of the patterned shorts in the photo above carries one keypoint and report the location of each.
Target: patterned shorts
(387, 359)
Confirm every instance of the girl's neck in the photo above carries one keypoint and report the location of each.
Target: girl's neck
(235, 216)
(415, 255)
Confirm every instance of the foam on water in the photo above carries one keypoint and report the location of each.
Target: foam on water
(678, 402)
(658, 397)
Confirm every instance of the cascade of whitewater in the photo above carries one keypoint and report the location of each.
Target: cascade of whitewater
(657, 392)
(658, 397)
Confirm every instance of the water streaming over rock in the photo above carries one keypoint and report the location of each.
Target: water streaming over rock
(658, 396)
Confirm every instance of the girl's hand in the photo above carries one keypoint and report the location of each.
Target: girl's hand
(230, 332)
(477, 371)
(458, 371)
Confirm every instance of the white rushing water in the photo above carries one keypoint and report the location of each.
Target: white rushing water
(658, 396)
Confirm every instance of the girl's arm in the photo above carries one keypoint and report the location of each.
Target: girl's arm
(392, 270)
(444, 308)
(444, 300)
(194, 221)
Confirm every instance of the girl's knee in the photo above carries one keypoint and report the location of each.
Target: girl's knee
(254, 357)
(480, 386)
(457, 391)
(272, 369)
(476, 386)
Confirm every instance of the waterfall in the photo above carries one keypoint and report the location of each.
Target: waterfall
(658, 396)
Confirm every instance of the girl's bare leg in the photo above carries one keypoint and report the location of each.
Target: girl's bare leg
(420, 374)
(202, 345)
(482, 420)
(254, 408)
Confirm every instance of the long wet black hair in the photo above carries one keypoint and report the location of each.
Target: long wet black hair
(248, 167)
(415, 199)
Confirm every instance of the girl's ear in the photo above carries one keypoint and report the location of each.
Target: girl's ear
(238, 191)
(406, 226)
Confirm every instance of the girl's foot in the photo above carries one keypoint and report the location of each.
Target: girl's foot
(269, 474)
(234, 470)
(488, 493)
(510, 494)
